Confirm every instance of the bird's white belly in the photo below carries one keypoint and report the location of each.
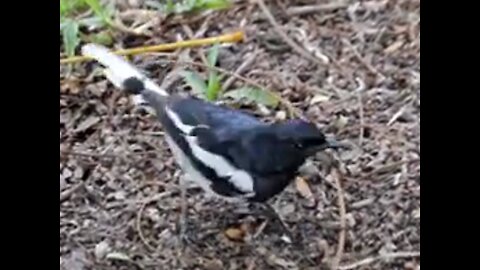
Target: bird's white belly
(192, 174)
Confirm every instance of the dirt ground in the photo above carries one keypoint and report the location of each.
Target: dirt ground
(120, 200)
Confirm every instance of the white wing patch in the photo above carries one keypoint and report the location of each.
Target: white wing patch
(186, 129)
(239, 178)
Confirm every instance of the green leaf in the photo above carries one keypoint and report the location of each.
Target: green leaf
(214, 4)
(99, 10)
(70, 36)
(68, 7)
(94, 22)
(213, 55)
(193, 80)
(170, 6)
(253, 95)
(214, 86)
(63, 7)
(103, 38)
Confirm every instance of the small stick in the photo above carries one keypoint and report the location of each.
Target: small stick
(227, 38)
(138, 222)
(303, 10)
(343, 221)
(380, 257)
(67, 193)
(240, 70)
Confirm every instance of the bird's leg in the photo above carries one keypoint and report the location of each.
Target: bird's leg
(183, 208)
(272, 214)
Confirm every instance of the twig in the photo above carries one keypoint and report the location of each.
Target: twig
(190, 35)
(303, 10)
(359, 90)
(389, 167)
(227, 38)
(369, 260)
(284, 36)
(84, 154)
(67, 193)
(138, 223)
(249, 61)
(343, 221)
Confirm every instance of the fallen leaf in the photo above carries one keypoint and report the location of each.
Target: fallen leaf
(416, 213)
(118, 256)
(235, 234)
(393, 47)
(318, 99)
(341, 122)
(303, 188)
(87, 123)
(101, 250)
(275, 260)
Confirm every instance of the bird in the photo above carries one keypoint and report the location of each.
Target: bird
(229, 153)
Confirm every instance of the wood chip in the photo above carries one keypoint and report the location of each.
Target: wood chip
(87, 123)
(235, 234)
(303, 188)
(393, 47)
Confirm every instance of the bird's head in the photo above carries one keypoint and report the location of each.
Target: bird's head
(305, 137)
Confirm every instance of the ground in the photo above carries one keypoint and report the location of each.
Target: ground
(120, 201)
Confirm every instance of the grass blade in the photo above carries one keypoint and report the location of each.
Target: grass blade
(99, 10)
(70, 36)
(214, 86)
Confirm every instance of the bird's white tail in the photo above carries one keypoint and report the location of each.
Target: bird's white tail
(117, 69)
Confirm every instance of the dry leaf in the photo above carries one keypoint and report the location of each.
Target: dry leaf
(87, 123)
(393, 47)
(303, 188)
(341, 122)
(275, 260)
(318, 99)
(118, 256)
(101, 250)
(235, 234)
(416, 213)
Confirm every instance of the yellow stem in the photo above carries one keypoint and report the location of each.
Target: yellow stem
(227, 38)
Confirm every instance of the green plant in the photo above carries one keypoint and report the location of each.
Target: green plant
(182, 6)
(70, 26)
(211, 88)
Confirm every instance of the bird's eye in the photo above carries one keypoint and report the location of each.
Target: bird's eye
(298, 145)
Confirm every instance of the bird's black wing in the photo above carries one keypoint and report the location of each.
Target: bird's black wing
(225, 123)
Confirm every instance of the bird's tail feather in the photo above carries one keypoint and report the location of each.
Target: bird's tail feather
(118, 70)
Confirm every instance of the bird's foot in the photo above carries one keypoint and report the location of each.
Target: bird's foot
(270, 212)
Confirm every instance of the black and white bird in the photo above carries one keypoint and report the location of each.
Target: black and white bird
(227, 152)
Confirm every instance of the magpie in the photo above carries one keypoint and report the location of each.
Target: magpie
(227, 152)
